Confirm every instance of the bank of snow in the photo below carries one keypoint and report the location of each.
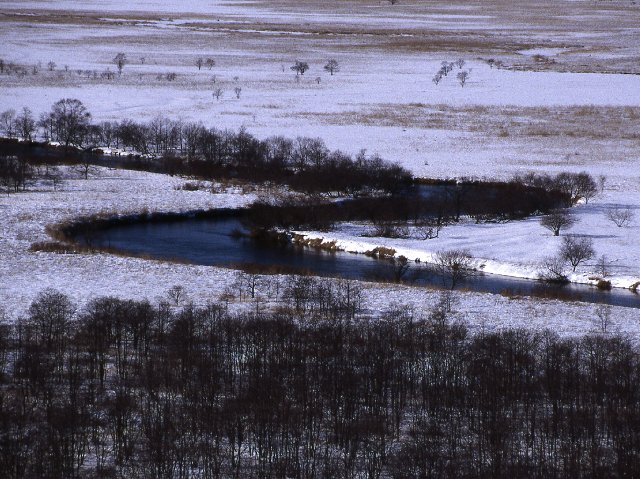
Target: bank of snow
(514, 249)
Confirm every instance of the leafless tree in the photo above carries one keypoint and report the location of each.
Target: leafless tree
(332, 66)
(199, 62)
(25, 124)
(318, 79)
(603, 312)
(453, 266)
(209, 63)
(437, 78)
(300, 67)
(120, 61)
(460, 63)
(557, 220)
(70, 121)
(553, 268)
(237, 90)
(177, 294)
(217, 93)
(602, 180)
(51, 66)
(576, 250)
(602, 266)
(462, 77)
(8, 123)
(620, 216)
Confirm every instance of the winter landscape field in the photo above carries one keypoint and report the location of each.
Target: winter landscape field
(457, 91)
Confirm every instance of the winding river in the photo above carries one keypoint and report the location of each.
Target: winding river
(214, 241)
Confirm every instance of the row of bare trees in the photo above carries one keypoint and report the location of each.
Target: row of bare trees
(128, 389)
(176, 147)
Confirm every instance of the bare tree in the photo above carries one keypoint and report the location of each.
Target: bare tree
(453, 265)
(209, 63)
(51, 66)
(199, 63)
(70, 121)
(120, 61)
(300, 67)
(460, 63)
(437, 78)
(8, 123)
(26, 124)
(237, 90)
(576, 250)
(462, 77)
(557, 220)
(177, 294)
(217, 93)
(620, 216)
(318, 79)
(553, 268)
(332, 66)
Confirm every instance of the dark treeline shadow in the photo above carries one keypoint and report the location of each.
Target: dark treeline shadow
(122, 388)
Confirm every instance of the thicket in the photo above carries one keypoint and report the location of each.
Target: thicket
(122, 388)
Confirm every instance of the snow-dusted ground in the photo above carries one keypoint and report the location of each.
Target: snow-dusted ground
(578, 109)
(84, 276)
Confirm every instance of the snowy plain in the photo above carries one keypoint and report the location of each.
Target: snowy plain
(567, 99)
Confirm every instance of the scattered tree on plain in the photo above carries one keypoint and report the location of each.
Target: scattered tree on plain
(199, 63)
(558, 220)
(300, 67)
(332, 66)
(237, 90)
(120, 60)
(620, 216)
(209, 63)
(217, 93)
(462, 77)
(576, 250)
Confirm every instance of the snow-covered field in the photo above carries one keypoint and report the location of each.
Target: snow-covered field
(567, 99)
(108, 192)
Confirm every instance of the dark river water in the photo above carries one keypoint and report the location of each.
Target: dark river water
(213, 242)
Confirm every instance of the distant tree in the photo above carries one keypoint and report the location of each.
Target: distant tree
(462, 77)
(437, 78)
(620, 216)
(300, 67)
(460, 63)
(199, 63)
(318, 80)
(51, 66)
(217, 93)
(70, 121)
(332, 66)
(1, 65)
(142, 60)
(237, 90)
(453, 266)
(576, 250)
(209, 63)
(120, 61)
(8, 123)
(557, 220)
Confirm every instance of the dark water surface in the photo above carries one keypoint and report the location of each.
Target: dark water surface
(213, 242)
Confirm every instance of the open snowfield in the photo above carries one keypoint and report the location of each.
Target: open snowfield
(566, 99)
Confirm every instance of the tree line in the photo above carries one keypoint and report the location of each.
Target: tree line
(123, 388)
(188, 148)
